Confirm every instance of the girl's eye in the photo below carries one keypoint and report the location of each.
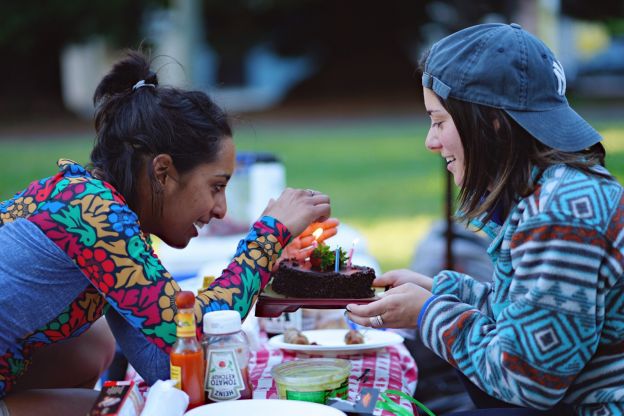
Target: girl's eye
(436, 125)
(218, 188)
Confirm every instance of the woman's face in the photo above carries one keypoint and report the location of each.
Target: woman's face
(443, 137)
(193, 198)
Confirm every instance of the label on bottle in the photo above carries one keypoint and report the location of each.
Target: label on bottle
(186, 324)
(176, 374)
(224, 380)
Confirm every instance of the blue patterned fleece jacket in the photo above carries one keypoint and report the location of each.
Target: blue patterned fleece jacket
(550, 325)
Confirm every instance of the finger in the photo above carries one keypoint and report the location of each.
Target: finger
(384, 280)
(304, 253)
(330, 223)
(328, 233)
(321, 212)
(360, 320)
(367, 310)
(306, 241)
(320, 199)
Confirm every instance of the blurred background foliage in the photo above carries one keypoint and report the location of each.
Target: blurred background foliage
(33, 32)
(356, 42)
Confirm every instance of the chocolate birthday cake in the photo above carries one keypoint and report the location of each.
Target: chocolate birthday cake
(320, 280)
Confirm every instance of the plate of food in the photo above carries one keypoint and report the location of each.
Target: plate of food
(335, 341)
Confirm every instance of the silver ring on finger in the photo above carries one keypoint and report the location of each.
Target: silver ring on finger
(376, 321)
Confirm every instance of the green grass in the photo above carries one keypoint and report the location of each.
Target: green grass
(379, 175)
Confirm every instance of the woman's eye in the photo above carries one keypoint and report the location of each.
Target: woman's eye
(218, 188)
(436, 125)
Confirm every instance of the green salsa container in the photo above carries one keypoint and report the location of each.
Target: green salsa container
(312, 380)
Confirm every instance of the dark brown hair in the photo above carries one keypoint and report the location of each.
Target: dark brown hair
(500, 156)
(134, 125)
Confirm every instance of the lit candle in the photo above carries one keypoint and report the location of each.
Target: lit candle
(350, 256)
(316, 234)
(337, 265)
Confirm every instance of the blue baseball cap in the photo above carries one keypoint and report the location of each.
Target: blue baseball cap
(506, 67)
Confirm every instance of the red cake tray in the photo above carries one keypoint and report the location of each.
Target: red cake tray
(271, 304)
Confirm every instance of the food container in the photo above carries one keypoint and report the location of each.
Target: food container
(313, 379)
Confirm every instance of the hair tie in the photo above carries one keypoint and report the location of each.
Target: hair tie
(142, 83)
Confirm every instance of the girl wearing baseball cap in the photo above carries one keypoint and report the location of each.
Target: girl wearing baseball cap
(546, 335)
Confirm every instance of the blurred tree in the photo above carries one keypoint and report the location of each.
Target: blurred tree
(361, 46)
(596, 10)
(611, 12)
(33, 32)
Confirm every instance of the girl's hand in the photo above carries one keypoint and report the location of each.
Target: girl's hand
(298, 208)
(398, 308)
(396, 278)
(301, 247)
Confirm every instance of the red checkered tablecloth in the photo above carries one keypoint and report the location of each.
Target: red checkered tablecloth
(390, 368)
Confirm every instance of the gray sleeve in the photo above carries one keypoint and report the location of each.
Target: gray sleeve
(148, 360)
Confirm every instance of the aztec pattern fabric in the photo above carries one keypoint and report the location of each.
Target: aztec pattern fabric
(550, 325)
(91, 223)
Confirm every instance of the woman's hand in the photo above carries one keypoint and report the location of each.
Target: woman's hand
(398, 308)
(396, 278)
(301, 247)
(298, 208)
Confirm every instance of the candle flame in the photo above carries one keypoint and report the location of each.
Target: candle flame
(317, 233)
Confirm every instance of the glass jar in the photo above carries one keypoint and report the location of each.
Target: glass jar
(226, 350)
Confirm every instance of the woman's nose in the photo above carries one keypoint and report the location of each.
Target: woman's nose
(220, 207)
(431, 142)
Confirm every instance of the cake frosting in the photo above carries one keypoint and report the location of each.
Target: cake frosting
(294, 280)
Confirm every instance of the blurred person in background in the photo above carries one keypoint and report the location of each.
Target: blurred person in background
(546, 335)
(76, 245)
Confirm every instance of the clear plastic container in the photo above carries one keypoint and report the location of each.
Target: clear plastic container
(313, 379)
(227, 357)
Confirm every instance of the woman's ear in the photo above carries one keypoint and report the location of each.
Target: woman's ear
(162, 165)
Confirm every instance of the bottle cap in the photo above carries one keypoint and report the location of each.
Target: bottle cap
(221, 322)
(185, 299)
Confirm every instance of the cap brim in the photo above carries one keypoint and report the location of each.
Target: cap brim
(560, 128)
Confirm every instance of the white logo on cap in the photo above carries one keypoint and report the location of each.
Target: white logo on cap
(561, 81)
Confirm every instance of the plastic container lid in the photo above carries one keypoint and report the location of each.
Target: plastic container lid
(221, 322)
(312, 373)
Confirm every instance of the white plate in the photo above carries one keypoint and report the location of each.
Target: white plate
(332, 341)
(264, 408)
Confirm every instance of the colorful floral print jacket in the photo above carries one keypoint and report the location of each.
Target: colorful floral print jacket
(111, 263)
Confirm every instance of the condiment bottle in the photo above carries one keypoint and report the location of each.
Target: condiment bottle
(227, 357)
(187, 355)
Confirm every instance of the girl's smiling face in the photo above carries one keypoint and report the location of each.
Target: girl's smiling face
(443, 137)
(191, 199)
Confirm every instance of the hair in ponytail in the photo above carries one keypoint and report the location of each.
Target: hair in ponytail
(135, 122)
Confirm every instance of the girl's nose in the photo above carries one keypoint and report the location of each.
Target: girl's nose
(220, 207)
(431, 142)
